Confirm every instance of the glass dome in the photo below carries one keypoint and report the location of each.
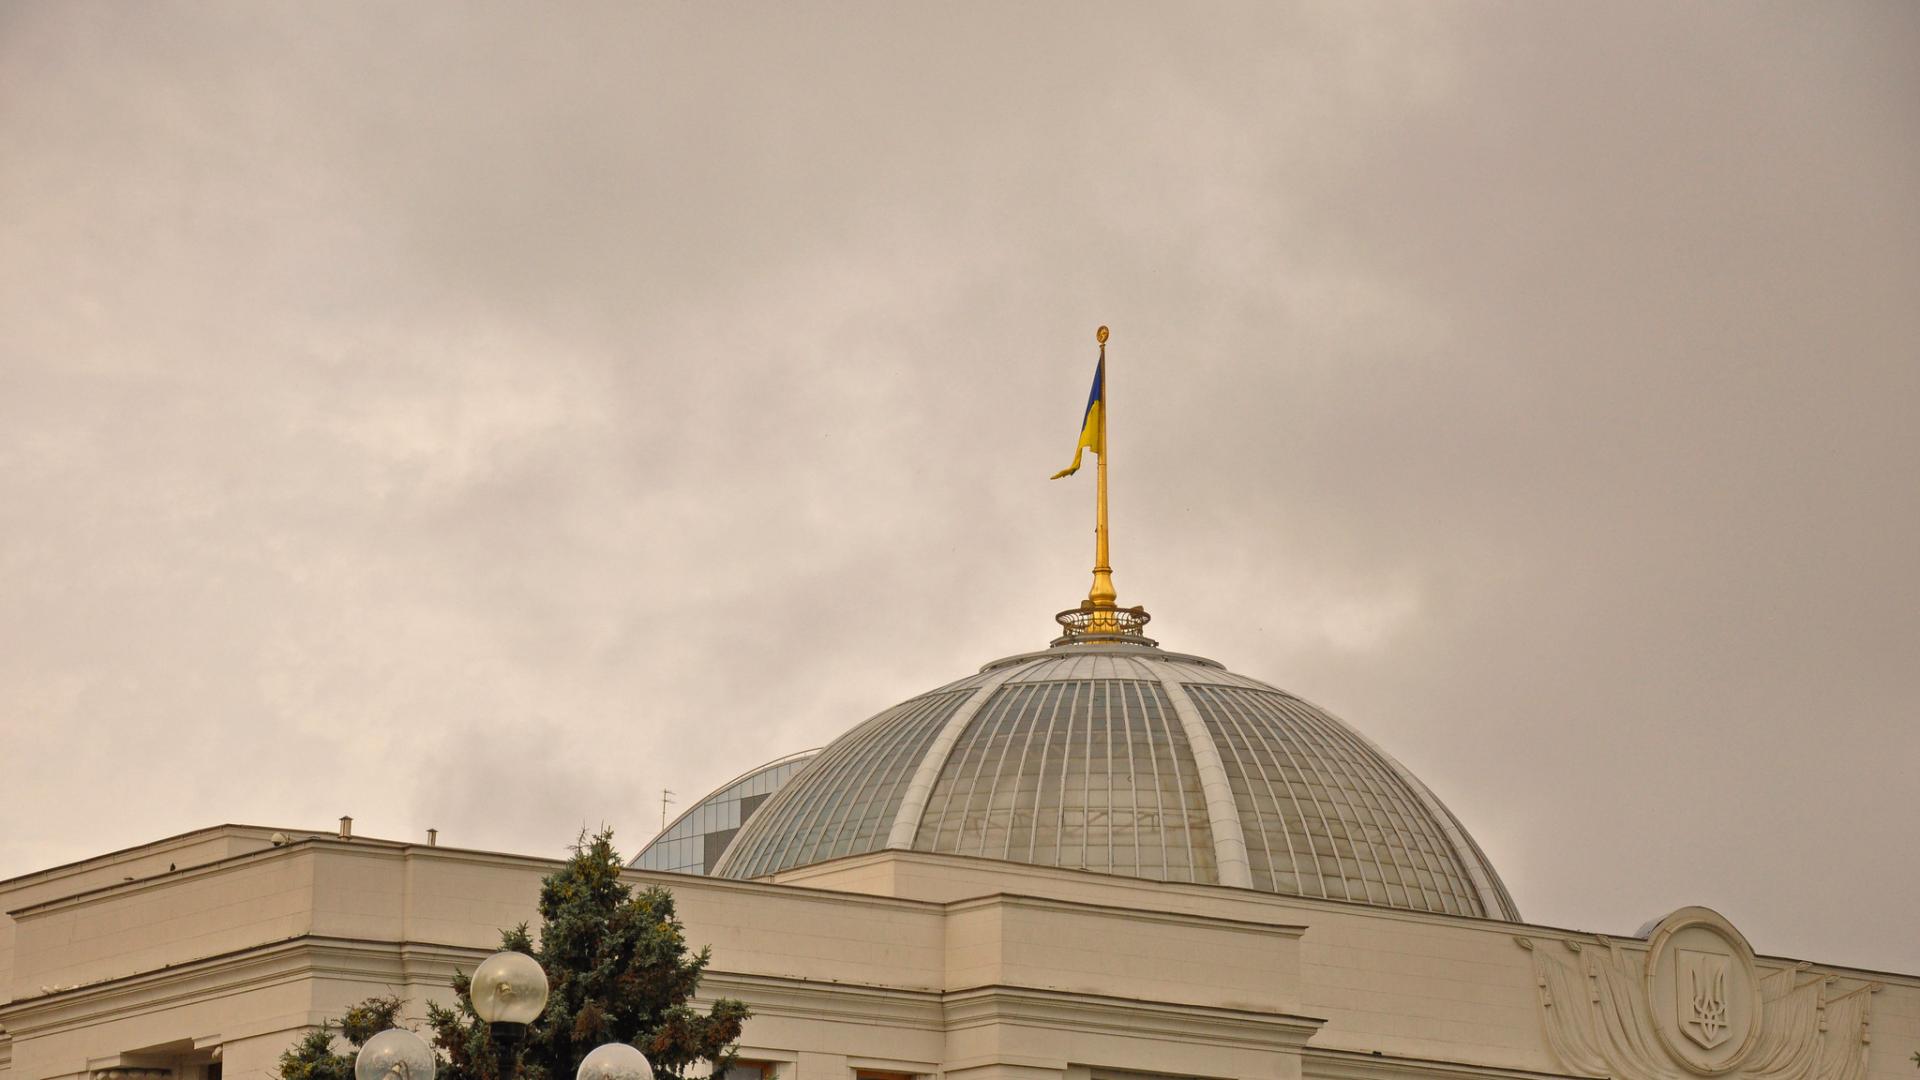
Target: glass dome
(698, 837)
(1125, 759)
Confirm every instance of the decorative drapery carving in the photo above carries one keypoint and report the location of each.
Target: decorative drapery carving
(1691, 1001)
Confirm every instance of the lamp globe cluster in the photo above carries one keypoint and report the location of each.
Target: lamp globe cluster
(509, 991)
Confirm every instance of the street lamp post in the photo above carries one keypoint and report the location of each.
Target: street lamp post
(509, 991)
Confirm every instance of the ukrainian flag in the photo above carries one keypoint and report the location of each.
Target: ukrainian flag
(1093, 426)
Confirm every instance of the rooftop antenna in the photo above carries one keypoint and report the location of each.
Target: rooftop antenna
(665, 798)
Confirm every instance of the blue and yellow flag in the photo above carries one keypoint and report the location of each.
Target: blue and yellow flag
(1093, 426)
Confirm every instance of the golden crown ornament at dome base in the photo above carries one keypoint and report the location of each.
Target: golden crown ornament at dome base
(1090, 624)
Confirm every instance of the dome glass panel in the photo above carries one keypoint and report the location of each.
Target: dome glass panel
(1085, 773)
(851, 793)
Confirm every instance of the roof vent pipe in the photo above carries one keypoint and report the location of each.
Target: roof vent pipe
(433, 837)
(346, 827)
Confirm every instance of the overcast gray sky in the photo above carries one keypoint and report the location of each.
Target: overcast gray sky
(483, 417)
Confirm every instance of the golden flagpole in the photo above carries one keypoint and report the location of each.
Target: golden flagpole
(1099, 619)
(1101, 596)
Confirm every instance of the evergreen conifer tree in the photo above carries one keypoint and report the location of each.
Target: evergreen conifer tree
(312, 1058)
(618, 969)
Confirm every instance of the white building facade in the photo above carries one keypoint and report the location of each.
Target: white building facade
(1097, 862)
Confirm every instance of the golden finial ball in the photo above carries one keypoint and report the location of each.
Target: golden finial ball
(1100, 335)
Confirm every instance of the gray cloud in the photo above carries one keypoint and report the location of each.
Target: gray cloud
(393, 399)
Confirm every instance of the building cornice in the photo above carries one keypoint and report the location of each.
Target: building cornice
(151, 847)
(393, 964)
(1213, 1026)
(1013, 872)
(1323, 1063)
(1237, 894)
(1132, 914)
(855, 1003)
(387, 849)
(233, 973)
(302, 846)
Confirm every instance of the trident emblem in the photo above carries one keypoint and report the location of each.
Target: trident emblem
(1704, 1004)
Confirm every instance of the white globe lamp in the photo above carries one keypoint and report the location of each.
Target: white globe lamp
(614, 1061)
(394, 1054)
(508, 988)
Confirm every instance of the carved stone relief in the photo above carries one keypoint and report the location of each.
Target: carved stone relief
(1692, 1001)
(1703, 990)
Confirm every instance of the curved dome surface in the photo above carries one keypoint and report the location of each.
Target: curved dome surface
(695, 841)
(1129, 760)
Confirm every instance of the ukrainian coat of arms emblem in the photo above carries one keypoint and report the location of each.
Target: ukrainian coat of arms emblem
(1689, 997)
(1702, 995)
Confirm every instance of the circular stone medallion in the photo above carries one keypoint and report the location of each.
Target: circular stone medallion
(1703, 990)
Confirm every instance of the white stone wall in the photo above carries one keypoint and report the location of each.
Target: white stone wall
(141, 863)
(901, 962)
(1399, 985)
